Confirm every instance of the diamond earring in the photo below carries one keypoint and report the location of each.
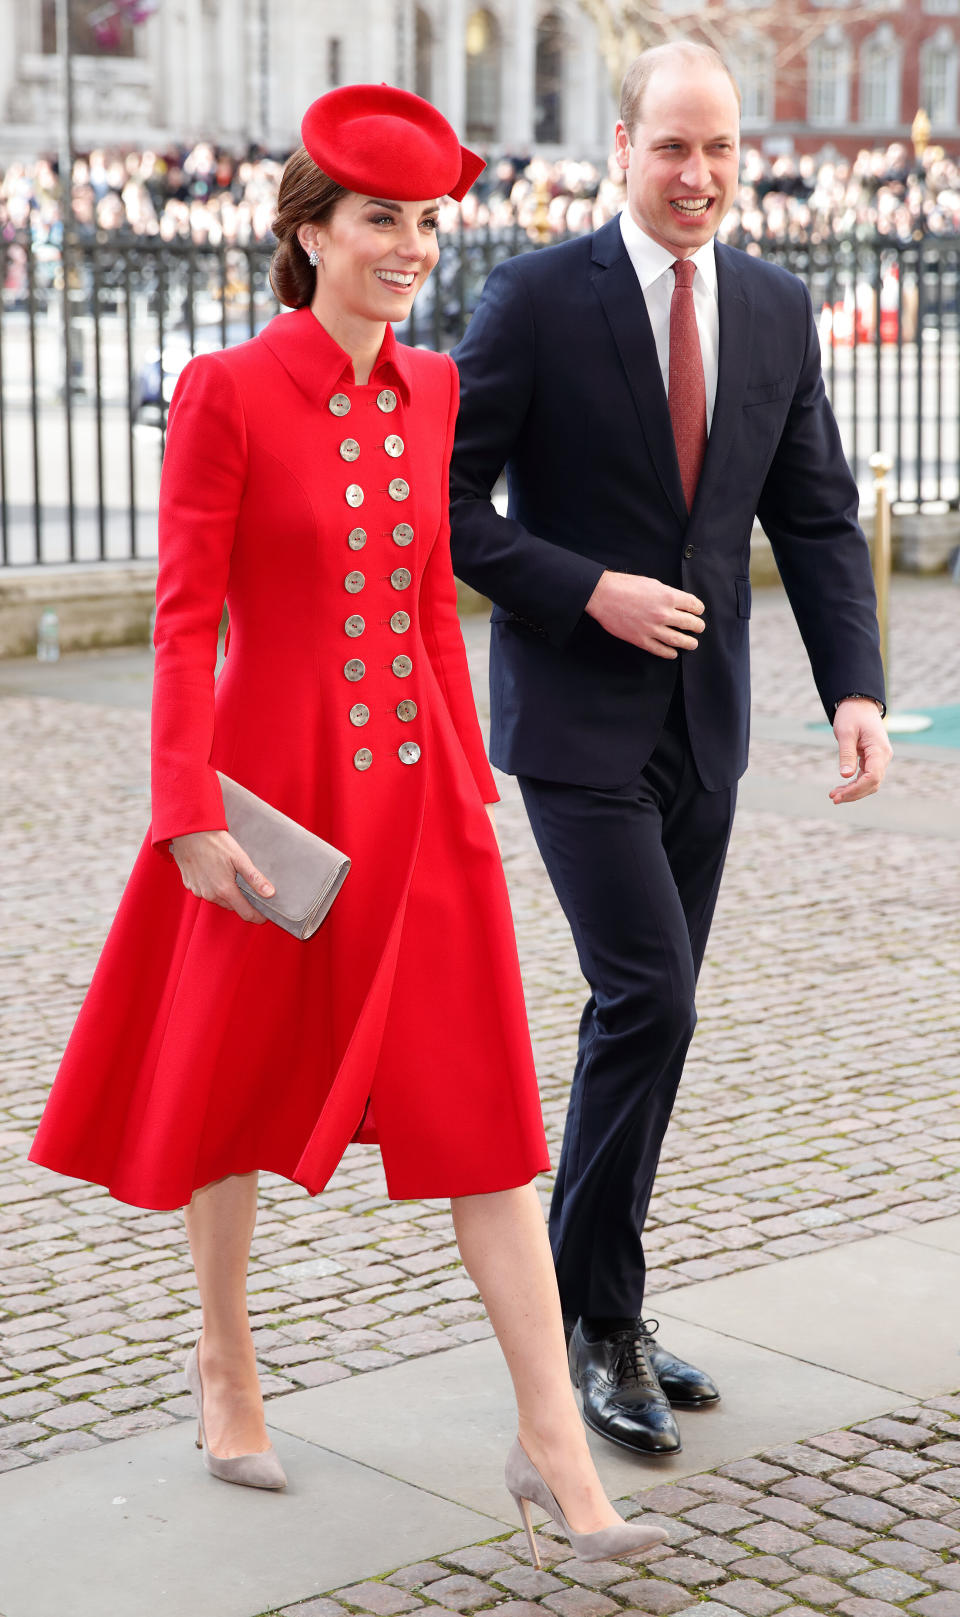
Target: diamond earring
(313, 258)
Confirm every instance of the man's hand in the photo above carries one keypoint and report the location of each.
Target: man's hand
(863, 744)
(648, 614)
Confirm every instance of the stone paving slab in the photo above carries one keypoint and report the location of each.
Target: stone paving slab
(818, 1107)
(885, 1310)
(445, 1423)
(945, 1234)
(139, 1529)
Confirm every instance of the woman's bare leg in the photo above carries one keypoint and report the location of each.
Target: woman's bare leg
(220, 1221)
(504, 1246)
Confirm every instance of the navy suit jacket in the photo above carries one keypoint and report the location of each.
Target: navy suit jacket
(561, 385)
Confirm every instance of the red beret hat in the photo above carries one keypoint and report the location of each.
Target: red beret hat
(384, 142)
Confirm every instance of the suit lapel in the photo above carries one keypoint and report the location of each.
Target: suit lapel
(736, 331)
(615, 282)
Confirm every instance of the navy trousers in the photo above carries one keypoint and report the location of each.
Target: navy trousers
(637, 871)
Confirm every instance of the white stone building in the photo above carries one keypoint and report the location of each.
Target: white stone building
(512, 75)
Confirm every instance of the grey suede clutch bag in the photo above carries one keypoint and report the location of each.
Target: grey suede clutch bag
(306, 872)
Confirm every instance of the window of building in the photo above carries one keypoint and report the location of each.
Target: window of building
(483, 76)
(549, 80)
(423, 54)
(95, 29)
(752, 60)
(334, 62)
(828, 79)
(880, 78)
(938, 80)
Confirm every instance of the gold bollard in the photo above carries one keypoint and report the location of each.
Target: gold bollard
(880, 465)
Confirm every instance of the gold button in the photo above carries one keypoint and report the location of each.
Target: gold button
(354, 626)
(340, 404)
(353, 583)
(406, 711)
(349, 449)
(400, 578)
(402, 666)
(357, 538)
(398, 489)
(386, 400)
(359, 713)
(409, 753)
(394, 446)
(354, 494)
(354, 670)
(400, 622)
(362, 758)
(403, 534)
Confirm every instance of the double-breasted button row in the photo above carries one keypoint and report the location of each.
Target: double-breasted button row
(357, 538)
(360, 713)
(350, 449)
(406, 712)
(400, 622)
(400, 578)
(408, 753)
(353, 583)
(339, 404)
(355, 626)
(394, 446)
(403, 534)
(354, 494)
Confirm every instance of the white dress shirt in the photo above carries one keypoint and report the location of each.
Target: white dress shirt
(654, 268)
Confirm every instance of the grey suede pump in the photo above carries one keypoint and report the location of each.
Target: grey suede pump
(609, 1543)
(249, 1470)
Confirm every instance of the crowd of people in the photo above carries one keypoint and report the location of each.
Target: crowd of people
(210, 197)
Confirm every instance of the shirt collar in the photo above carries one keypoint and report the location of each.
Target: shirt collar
(319, 365)
(650, 260)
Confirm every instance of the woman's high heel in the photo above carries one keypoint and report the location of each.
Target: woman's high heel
(249, 1470)
(609, 1543)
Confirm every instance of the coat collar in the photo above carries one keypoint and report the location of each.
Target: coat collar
(319, 366)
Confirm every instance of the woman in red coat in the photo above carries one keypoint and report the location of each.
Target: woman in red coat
(305, 483)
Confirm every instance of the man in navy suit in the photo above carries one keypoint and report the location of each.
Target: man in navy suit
(650, 393)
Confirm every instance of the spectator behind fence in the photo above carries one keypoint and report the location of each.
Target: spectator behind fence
(206, 193)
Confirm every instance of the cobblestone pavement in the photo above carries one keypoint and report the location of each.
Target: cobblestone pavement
(819, 1103)
(864, 1523)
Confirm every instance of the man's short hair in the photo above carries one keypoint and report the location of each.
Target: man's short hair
(642, 69)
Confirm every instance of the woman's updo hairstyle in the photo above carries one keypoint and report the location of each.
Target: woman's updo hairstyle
(306, 196)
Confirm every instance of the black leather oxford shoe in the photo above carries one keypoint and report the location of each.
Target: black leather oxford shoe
(685, 1385)
(622, 1398)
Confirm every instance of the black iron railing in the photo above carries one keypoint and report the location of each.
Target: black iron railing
(93, 339)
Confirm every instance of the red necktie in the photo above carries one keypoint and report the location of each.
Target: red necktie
(687, 394)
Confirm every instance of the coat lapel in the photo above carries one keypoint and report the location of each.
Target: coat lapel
(615, 282)
(736, 331)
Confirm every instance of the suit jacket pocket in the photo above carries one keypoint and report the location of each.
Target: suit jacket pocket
(765, 392)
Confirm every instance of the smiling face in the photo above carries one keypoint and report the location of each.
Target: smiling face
(682, 157)
(374, 257)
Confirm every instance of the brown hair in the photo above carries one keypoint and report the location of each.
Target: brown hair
(306, 196)
(642, 69)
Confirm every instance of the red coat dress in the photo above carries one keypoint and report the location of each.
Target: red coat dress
(206, 1045)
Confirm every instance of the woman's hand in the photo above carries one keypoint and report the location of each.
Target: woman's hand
(209, 861)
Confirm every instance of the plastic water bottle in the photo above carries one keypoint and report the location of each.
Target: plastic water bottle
(48, 637)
